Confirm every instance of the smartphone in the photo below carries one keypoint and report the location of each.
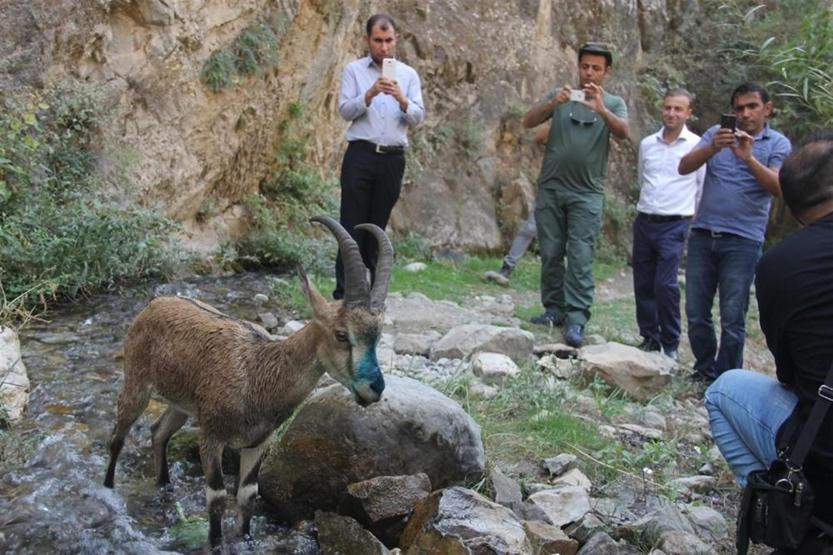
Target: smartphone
(577, 95)
(728, 121)
(389, 69)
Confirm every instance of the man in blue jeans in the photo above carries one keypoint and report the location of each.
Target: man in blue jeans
(728, 230)
(752, 416)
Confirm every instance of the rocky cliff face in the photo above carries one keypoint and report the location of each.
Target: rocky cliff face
(483, 63)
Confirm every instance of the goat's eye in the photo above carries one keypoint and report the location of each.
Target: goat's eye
(342, 336)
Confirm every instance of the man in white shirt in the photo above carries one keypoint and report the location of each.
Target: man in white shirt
(380, 109)
(667, 202)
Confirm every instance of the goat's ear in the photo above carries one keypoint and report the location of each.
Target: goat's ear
(317, 302)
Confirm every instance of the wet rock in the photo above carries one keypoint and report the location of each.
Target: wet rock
(562, 505)
(459, 520)
(693, 484)
(415, 267)
(340, 535)
(57, 338)
(383, 504)
(676, 542)
(708, 523)
(560, 464)
(494, 368)
(333, 442)
(640, 374)
(14, 381)
(548, 539)
(415, 343)
(602, 544)
(463, 341)
(507, 491)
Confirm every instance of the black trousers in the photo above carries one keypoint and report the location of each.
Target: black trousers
(370, 186)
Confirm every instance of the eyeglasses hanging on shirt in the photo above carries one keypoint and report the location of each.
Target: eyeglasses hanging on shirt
(581, 114)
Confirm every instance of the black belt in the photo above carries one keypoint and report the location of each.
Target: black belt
(660, 218)
(378, 149)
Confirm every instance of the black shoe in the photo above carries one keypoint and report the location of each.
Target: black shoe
(506, 270)
(547, 319)
(649, 345)
(574, 335)
(700, 378)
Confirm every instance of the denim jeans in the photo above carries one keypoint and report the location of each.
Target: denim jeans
(724, 263)
(746, 409)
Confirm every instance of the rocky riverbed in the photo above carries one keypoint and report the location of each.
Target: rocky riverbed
(53, 499)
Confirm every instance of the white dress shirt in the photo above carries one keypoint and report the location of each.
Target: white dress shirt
(383, 122)
(663, 190)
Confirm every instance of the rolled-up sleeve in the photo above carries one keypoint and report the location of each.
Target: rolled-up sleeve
(415, 113)
(351, 103)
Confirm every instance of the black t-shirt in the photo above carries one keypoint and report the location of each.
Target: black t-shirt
(794, 286)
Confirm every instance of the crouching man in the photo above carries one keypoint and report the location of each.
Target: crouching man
(752, 415)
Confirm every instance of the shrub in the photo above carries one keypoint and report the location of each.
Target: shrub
(255, 49)
(60, 234)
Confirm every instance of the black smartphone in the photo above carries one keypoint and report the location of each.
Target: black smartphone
(729, 121)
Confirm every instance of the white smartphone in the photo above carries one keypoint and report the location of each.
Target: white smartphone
(389, 69)
(577, 95)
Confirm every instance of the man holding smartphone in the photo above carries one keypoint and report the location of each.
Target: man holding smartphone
(728, 231)
(569, 206)
(381, 98)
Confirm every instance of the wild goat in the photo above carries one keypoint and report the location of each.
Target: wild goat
(238, 382)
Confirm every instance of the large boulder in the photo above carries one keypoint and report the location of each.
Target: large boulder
(640, 374)
(333, 442)
(14, 383)
(463, 341)
(459, 520)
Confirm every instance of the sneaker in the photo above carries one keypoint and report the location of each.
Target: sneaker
(547, 319)
(649, 345)
(574, 335)
(506, 270)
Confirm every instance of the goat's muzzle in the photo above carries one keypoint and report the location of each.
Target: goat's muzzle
(367, 392)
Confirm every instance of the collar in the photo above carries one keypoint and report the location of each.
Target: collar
(367, 61)
(764, 134)
(685, 135)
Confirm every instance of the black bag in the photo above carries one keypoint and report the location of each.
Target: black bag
(777, 504)
(776, 508)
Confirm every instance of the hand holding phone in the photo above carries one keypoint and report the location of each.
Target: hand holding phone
(577, 95)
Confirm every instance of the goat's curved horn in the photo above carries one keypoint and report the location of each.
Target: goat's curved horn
(355, 273)
(384, 264)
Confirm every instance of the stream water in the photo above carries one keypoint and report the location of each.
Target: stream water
(56, 503)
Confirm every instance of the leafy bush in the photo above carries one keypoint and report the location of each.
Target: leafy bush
(219, 71)
(281, 235)
(60, 234)
(255, 49)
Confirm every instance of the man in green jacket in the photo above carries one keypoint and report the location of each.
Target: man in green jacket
(569, 206)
